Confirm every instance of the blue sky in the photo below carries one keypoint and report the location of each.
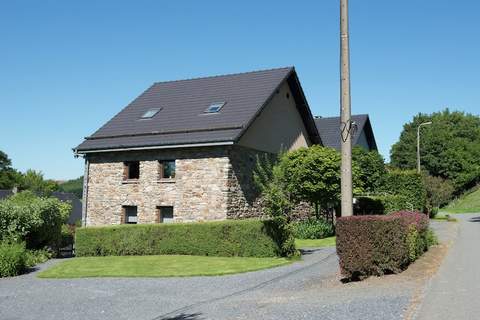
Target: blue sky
(67, 67)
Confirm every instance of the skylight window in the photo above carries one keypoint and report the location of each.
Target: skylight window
(215, 107)
(150, 113)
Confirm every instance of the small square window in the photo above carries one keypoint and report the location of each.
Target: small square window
(130, 214)
(215, 107)
(150, 113)
(131, 170)
(167, 169)
(165, 214)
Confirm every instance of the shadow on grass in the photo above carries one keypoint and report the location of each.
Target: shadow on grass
(184, 316)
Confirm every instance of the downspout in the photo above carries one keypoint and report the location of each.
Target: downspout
(85, 192)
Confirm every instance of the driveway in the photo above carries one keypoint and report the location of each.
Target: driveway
(453, 293)
(309, 289)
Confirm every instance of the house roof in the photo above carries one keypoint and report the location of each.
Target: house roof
(182, 119)
(329, 129)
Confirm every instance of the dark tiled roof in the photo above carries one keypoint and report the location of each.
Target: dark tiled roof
(182, 119)
(76, 213)
(329, 129)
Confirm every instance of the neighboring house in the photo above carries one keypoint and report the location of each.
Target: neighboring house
(185, 150)
(76, 213)
(329, 129)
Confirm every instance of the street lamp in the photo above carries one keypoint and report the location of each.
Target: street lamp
(418, 143)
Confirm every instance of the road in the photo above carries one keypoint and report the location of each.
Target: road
(308, 289)
(453, 293)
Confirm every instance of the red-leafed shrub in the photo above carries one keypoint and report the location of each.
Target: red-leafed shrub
(376, 245)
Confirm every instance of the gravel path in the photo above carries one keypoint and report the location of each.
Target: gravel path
(309, 289)
(453, 292)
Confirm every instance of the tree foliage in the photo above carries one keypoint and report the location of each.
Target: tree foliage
(372, 168)
(450, 147)
(34, 181)
(74, 186)
(9, 177)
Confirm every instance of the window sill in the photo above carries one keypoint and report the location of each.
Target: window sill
(130, 181)
(167, 180)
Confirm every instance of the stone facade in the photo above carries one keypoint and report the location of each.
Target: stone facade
(211, 183)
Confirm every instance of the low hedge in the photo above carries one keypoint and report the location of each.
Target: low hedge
(246, 238)
(313, 228)
(382, 204)
(376, 245)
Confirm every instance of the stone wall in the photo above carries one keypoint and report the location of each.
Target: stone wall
(198, 192)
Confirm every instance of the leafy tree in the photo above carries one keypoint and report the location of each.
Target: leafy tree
(74, 186)
(9, 177)
(450, 147)
(372, 168)
(313, 175)
(439, 191)
(33, 181)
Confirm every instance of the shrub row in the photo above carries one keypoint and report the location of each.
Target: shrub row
(13, 258)
(409, 185)
(379, 205)
(313, 228)
(247, 238)
(376, 245)
(36, 220)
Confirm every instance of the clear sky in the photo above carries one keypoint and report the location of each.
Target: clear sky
(67, 67)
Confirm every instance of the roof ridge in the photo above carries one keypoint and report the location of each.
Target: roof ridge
(334, 117)
(225, 75)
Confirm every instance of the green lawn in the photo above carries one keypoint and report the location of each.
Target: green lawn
(469, 203)
(315, 243)
(157, 266)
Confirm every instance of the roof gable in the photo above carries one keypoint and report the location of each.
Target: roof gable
(329, 129)
(182, 118)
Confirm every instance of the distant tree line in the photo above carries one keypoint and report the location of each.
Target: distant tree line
(34, 181)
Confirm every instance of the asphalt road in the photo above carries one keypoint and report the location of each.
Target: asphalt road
(454, 292)
(308, 289)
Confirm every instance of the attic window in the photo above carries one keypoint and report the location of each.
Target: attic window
(150, 113)
(215, 107)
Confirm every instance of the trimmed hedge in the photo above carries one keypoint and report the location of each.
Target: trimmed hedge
(245, 238)
(379, 205)
(409, 185)
(377, 245)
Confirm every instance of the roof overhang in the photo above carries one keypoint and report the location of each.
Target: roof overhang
(173, 146)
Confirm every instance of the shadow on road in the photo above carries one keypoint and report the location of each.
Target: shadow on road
(185, 316)
(474, 219)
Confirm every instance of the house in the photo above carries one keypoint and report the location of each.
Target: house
(76, 213)
(329, 129)
(185, 150)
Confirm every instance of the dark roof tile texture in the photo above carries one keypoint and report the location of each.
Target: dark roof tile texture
(182, 118)
(329, 129)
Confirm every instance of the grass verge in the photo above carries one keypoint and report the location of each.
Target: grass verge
(468, 203)
(315, 243)
(158, 266)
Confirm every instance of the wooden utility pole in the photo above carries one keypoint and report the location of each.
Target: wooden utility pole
(345, 114)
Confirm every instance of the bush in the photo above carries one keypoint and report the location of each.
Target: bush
(408, 185)
(13, 258)
(383, 204)
(34, 257)
(246, 238)
(376, 245)
(439, 191)
(313, 228)
(36, 220)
